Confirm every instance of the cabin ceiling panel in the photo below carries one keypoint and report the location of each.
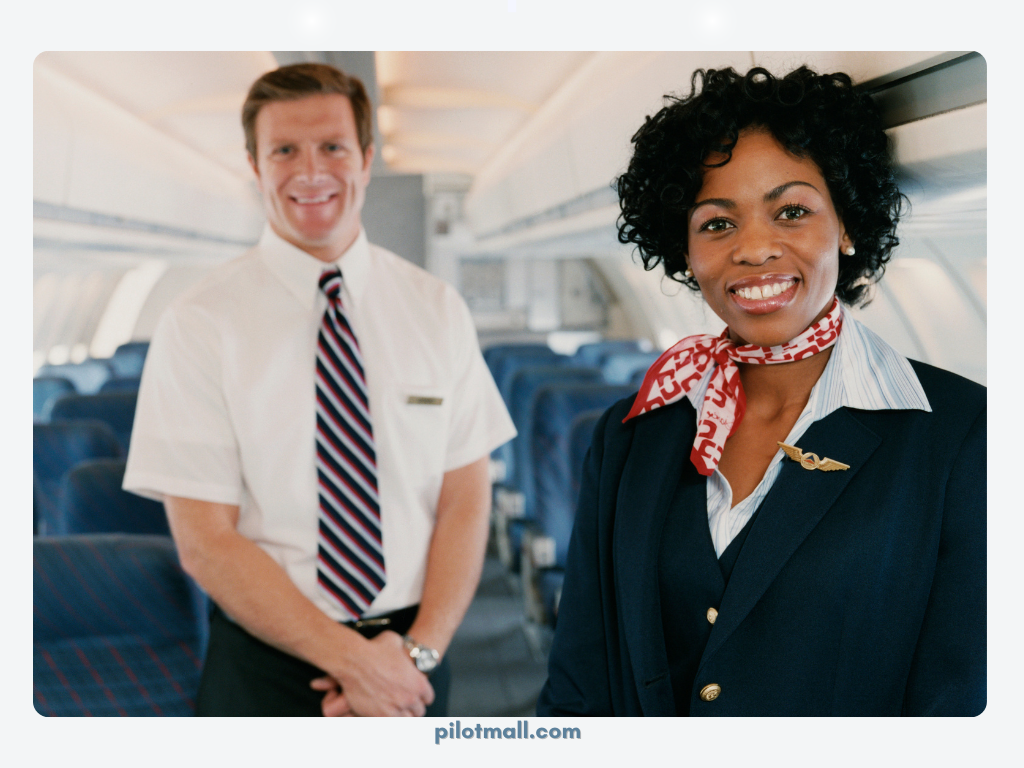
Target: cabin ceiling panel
(459, 124)
(409, 160)
(431, 100)
(153, 81)
(418, 140)
(167, 88)
(530, 76)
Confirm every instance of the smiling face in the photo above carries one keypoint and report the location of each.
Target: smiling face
(311, 172)
(764, 241)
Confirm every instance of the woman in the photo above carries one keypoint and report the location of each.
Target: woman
(788, 519)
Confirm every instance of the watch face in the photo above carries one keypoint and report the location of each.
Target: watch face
(426, 662)
(425, 658)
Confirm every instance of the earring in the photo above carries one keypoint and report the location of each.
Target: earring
(850, 250)
(688, 273)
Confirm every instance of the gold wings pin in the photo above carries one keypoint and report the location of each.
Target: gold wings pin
(811, 460)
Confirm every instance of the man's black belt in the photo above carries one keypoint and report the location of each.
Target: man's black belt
(397, 621)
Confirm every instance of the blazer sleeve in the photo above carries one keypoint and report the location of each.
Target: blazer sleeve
(578, 667)
(947, 675)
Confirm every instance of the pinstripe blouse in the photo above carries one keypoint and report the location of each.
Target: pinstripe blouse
(863, 372)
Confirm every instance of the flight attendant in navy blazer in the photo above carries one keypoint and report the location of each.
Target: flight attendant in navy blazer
(788, 519)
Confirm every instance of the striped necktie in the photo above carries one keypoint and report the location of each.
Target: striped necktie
(350, 553)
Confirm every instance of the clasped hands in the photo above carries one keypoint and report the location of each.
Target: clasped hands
(382, 682)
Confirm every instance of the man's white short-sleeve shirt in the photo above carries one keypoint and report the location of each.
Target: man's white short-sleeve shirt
(226, 409)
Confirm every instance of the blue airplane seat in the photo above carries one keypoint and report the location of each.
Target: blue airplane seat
(516, 453)
(93, 502)
(581, 434)
(516, 532)
(550, 588)
(556, 438)
(35, 504)
(528, 383)
(637, 378)
(595, 352)
(118, 628)
(116, 409)
(87, 376)
(128, 359)
(619, 367)
(56, 448)
(127, 384)
(46, 389)
(495, 352)
(557, 406)
(507, 365)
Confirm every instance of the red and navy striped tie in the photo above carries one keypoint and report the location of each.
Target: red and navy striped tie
(350, 553)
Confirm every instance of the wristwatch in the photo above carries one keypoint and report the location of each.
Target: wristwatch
(424, 658)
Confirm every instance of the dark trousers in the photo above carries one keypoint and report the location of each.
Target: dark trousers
(244, 677)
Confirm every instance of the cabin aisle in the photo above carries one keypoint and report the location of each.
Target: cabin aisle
(493, 671)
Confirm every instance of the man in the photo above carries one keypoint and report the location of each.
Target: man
(317, 417)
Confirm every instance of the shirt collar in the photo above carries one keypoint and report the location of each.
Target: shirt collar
(300, 272)
(863, 372)
(866, 373)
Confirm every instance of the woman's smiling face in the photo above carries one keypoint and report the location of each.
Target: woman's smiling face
(764, 241)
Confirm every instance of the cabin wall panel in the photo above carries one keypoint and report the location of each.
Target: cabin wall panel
(52, 144)
(885, 317)
(944, 319)
(598, 157)
(172, 283)
(600, 133)
(966, 256)
(547, 180)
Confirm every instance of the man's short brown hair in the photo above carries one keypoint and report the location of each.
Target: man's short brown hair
(297, 81)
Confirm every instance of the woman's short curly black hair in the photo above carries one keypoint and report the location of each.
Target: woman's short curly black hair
(816, 116)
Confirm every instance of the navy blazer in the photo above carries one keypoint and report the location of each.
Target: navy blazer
(857, 592)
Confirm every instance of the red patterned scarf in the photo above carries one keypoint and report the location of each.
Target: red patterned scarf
(678, 370)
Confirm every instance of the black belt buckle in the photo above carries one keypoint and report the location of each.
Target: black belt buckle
(398, 621)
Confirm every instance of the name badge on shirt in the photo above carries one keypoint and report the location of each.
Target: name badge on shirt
(420, 400)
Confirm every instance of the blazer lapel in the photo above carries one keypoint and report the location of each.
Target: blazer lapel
(793, 507)
(658, 457)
